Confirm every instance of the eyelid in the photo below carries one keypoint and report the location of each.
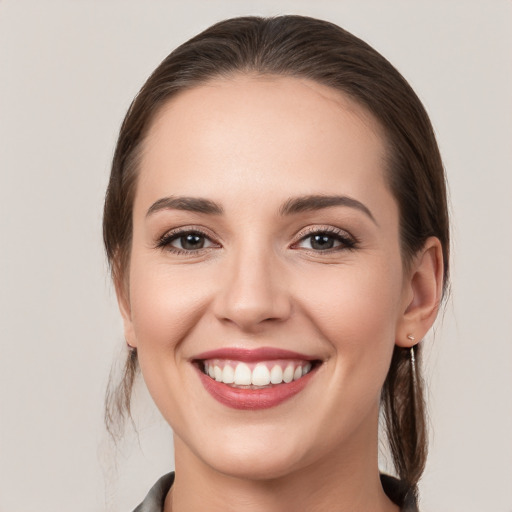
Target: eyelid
(319, 228)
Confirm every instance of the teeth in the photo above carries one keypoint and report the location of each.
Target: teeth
(228, 375)
(276, 375)
(288, 374)
(242, 375)
(261, 374)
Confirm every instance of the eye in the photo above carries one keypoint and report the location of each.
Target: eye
(186, 241)
(326, 240)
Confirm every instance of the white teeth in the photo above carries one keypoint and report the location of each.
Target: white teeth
(228, 375)
(242, 375)
(288, 373)
(276, 375)
(260, 375)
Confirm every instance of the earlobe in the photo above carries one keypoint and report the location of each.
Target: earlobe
(123, 301)
(423, 294)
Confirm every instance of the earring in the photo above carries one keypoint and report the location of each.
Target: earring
(413, 358)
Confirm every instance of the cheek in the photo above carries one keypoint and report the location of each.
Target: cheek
(166, 303)
(166, 306)
(356, 308)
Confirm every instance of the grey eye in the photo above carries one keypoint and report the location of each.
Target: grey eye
(320, 242)
(326, 241)
(191, 241)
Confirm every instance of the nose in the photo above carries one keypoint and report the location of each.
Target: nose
(253, 292)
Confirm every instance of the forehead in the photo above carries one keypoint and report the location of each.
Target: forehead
(262, 131)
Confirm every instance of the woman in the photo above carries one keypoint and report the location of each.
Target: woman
(277, 228)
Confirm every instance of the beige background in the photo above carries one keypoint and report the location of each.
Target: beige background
(68, 71)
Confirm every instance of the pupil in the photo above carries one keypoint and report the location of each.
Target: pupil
(192, 241)
(322, 242)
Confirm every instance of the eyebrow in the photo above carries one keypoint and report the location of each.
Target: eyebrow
(290, 207)
(190, 204)
(319, 202)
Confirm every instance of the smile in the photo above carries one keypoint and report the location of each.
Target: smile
(254, 379)
(255, 375)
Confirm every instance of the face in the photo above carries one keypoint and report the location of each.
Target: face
(266, 285)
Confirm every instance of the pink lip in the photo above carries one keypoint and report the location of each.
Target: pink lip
(253, 399)
(252, 355)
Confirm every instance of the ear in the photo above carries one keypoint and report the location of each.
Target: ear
(123, 300)
(422, 294)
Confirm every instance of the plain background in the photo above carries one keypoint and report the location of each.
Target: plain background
(68, 71)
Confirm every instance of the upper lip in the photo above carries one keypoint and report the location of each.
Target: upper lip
(253, 355)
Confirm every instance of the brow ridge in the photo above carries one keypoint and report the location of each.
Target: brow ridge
(292, 206)
(191, 204)
(318, 202)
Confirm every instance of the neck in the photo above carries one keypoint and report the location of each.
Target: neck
(347, 480)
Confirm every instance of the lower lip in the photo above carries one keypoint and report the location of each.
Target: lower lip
(254, 399)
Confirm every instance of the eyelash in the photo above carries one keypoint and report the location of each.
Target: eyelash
(347, 241)
(165, 241)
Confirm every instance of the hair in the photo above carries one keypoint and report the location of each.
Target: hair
(302, 47)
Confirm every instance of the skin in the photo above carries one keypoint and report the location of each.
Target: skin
(250, 144)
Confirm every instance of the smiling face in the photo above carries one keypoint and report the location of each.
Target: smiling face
(266, 255)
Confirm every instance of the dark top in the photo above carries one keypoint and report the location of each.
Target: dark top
(154, 501)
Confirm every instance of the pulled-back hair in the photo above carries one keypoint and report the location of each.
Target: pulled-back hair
(297, 46)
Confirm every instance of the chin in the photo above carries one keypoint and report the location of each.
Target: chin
(253, 457)
(257, 467)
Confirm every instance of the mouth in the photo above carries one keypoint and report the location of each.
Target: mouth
(254, 379)
(238, 374)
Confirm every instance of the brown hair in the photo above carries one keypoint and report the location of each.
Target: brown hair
(321, 51)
